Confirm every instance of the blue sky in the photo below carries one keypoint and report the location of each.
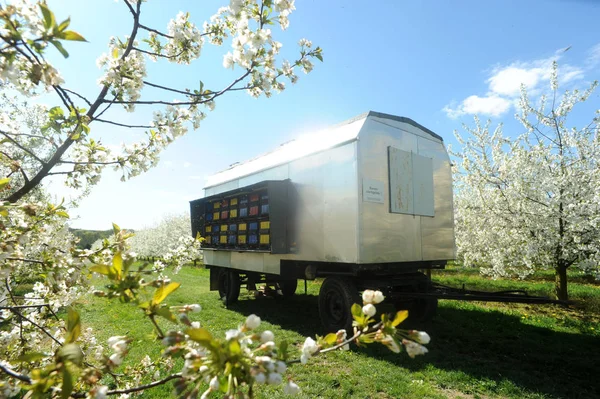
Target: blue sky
(435, 62)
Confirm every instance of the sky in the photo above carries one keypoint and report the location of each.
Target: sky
(436, 62)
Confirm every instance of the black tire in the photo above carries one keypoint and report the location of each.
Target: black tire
(421, 311)
(336, 297)
(229, 286)
(288, 287)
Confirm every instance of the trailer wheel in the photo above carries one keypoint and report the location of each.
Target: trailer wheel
(336, 297)
(424, 310)
(420, 310)
(288, 287)
(229, 286)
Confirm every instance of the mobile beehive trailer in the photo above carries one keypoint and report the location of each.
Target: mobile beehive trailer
(366, 204)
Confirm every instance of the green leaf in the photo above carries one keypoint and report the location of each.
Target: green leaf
(166, 313)
(116, 228)
(73, 325)
(102, 269)
(62, 214)
(3, 211)
(4, 181)
(163, 292)
(48, 15)
(64, 24)
(117, 265)
(72, 353)
(60, 48)
(330, 339)
(234, 347)
(31, 357)
(200, 335)
(72, 35)
(282, 352)
(67, 384)
(319, 57)
(356, 311)
(400, 317)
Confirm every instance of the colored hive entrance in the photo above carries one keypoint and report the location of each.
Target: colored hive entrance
(238, 222)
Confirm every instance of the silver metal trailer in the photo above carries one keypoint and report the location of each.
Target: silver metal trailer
(364, 204)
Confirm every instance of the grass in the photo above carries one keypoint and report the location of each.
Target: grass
(477, 351)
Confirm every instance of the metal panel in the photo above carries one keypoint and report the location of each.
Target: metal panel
(276, 173)
(422, 172)
(411, 183)
(401, 181)
(384, 236)
(303, 146)
(438, 232)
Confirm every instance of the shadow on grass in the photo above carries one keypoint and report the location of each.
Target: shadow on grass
(298, 313)
(487, 346)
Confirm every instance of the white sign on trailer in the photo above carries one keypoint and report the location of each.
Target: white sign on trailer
(373, 191)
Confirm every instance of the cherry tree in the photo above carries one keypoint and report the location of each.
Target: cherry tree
(157, 241)
(531, 202)
(50, 355)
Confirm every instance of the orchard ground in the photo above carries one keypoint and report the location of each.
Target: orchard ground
(478, 350)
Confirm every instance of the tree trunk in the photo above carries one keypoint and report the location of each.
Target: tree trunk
(560, 284)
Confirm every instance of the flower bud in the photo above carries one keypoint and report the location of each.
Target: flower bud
(260, 378)
(214, 384)
(291, 388)
(100, 392)
(367, 296)
(369, 310)
(274, 379)
(267, 336)
(252, 322)
(378, 297)
(194, 308)
(280, 367)
(115, 359)
(419, 336)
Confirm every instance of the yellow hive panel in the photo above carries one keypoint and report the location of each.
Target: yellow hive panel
(216, 216)
(208, 229)
(233, 213)
(223, 239)
(242, 227)
(265, 225)
(223, 227)
(216, 205)
(264, 239)
(233, 201)
(241, 239)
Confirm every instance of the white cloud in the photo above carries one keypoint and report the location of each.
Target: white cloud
(507, 81)
(187, 164)
(504, 84)
(594, 56)
(489, 105)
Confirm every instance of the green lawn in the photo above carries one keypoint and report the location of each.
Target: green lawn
(477, 351)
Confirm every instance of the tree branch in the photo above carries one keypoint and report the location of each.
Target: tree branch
(124, 124)
(134, 389)
(17, 195)
(14, 374)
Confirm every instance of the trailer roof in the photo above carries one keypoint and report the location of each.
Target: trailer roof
(307, 144)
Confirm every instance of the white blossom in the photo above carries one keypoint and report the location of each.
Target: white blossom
(414, 349)
(291, 388)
